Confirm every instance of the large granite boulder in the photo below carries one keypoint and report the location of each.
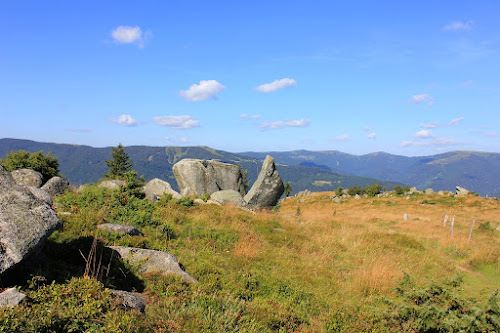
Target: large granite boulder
(268, 188)
(155, 188)
(151, 261)
(55, 186)
(27, 177)
(25, 223)
(112, 184)
(198, 177)
(228, 197)
(40, 194)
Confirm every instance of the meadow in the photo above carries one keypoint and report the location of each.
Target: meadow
(309, 265)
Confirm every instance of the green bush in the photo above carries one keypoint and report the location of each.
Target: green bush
(373, 190)
(339, 191)
(47, 165)
(353, 190)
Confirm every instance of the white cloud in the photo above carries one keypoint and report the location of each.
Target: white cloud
(177, 122)
(372, 135)
(422, 98)
(250, 116)
(455, 121)
(182, 140)
(204, 90)
(423, 134)
(367, 128)
(129, 35)
(459, 26)
(287, 123)
(435, 142)
(343, 137)
(275, 85)
(429, 125)
(125, 120)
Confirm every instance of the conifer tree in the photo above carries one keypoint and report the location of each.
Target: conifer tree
(119, 164)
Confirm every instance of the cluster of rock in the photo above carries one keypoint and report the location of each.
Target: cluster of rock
(223, 182)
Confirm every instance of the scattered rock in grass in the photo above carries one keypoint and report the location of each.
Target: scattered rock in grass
(130, 301)
(228, 197)
(155, 188)
(112, 184)
(121, 229)
(11, 297)
(27, 177)
(55, 186)
(199, 201)
(429, 191)
(406, 217)
(151, 261)
(357, 196)
(461, 191)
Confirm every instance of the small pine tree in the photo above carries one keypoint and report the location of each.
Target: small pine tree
(119, 164)
(288, 189)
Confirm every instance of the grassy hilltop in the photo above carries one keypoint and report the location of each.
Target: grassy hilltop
(314, 265)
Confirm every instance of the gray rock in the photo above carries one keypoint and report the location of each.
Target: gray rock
(11, 297)
(112, 184)
(198, 177)
(55, 186)
(357, 196)
(303, 193)
(212, 202)
(27, 177)
(151, 261)
(441, 193)
(228, 197)
(119, 229)
(25, 223)
(461, 191)
(40, 194)
(405, 217)
(155, 188)
(268, 188)
(429, 191)
(199, 201)
(498, 228)
(130, 301)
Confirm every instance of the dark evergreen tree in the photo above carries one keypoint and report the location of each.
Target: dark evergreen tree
(119, 164)
(288, 189)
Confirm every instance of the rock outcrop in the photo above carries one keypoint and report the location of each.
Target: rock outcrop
(197, 177)
(112, 184)
(25, 222)
(27, 177)
(121, 229)
(55, 186)
(155, 188)
(268, 188)
(11, 297)
(151, 261)
(40, 194)
(228, 197)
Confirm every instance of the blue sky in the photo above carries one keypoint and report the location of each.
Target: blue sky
(405, 77)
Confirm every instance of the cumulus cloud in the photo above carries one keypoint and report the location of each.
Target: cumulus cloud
(177, 122)
(459, 26)
(343, 137)
(125, 120)
(372, 135)
(206, 89)
(367, 128)
(283, 124)
(423, 134)
(455, 121)
(422, 98)
(250, 116)
(276, 84)
(129, 35)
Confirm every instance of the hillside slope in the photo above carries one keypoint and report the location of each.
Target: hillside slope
(85, 164)
(477, 171)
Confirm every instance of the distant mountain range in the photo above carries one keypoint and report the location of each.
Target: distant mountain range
(85, 164)
(476, 171)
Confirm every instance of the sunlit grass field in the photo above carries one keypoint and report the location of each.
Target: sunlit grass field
(310, 265)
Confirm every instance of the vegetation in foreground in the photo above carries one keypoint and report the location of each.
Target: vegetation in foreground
(313, 266)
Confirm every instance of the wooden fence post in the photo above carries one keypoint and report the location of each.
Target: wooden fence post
(444, 220)
(471, 228)
(452, 223)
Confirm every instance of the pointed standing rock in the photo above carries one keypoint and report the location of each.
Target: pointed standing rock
(268, 188)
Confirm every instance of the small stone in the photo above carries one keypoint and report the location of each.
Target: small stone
(11, 297)
(130, 301)
(121, 229)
